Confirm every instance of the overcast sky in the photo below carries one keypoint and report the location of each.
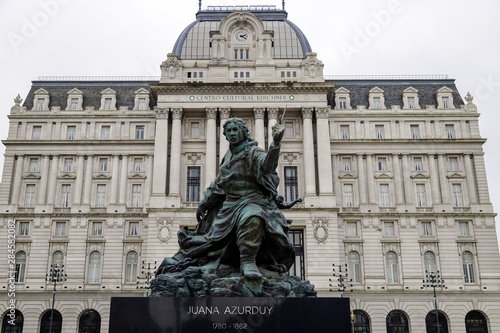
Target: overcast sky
(130, 37)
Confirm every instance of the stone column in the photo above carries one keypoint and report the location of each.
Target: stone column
(44, 175)
(18, 175)
(223, 143)
(445, 191)
(123, 181)
(79, 181)
(87, 185)
(398, 184)
(482, 183)
(54, 169)
(433, 173)
(335, 171)
(272, 119)
(370, 179)
(469, 177)
(407, 180)
(160, 154)
(361, 179)
(324, 151)
(149, 179)
(175, 153)
(211, 147)
(259, 127)
(114, 180)
(309, 164)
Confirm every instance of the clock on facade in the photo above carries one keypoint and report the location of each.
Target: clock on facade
(241, 35)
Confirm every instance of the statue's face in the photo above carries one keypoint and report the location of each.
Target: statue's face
(234, 134)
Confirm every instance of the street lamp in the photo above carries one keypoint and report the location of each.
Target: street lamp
(341, 278)
(434, 280)
(55, 275)
(146, 271)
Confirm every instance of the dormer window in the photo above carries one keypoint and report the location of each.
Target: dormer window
(410, 98)
(141, 100)
(445, 98)
(107, 104)
(342, 99)
(376, 99)
(108, 99)
(75, 100)
(41, 100)
(446, 102)
(40, 103)
(376, 102)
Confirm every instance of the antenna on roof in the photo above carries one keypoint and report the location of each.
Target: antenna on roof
(282, 3)
(199, 5)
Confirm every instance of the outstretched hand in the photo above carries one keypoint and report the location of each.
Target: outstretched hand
(278, 133)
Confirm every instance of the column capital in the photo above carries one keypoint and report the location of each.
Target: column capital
(177, 113)
(259, 113)
(161, 112)
(307, 113)
(211, 113)
(322, 113)
(272, 113)
(225, 113)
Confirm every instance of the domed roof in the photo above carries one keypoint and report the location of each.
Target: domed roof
(289, 41)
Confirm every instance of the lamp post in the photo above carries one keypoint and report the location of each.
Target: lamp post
(146, 271)
(55, 275)
(434, 280)
(341, 278)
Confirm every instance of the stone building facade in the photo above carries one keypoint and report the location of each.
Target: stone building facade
(99, 175)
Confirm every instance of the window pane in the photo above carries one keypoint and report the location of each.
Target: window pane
(24, 228)
(97, 228)
(354, 267)
(426, 228)
(105, 132)
(342, 102)
(131, 267)
(30, 196)
(139, 132)
(344, 132)
(453, 163)
(415, 131)
(136, 195)
(417, 164)
(33, 167)
(392, 267)
(37, 133)
(430, 263)
(137, 164)
(457, 195)
(103, 164)
(193, 184)
(382, 163)
(389, 229)
(450, 131)
(60, 228)
(346, 163)
(20, 266)
(66, 195)
(291, 184)
(195, 130)
(468, 267)
(133, 229)
(71, 132)
(297, 239)
(421, 196)
(463, 228)
(94, 275)
(352, 229)
(68, 164)
(384, 195)
(101, 195)
(289, 129)
(348, 195)
(379, 131)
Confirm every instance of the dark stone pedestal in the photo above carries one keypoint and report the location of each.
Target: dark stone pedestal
(229, 314)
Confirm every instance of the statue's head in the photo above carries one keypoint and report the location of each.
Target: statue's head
(239, 124)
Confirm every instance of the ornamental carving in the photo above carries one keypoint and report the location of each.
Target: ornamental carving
(177, 113)
(211, 113)
(307, 113)
(320, 230)
(161, 112)
(164, 228)
(225, 113)
(193, 158)
(290, 158)
(171, 66)
(272, 113)
(259, 113)
(322, 113)
(312, 66)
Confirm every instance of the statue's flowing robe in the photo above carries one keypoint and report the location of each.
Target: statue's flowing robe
(246, 187)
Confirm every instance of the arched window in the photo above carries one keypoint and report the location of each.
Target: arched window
(431, 325)
(468, 267)
(397, 322)
(430, 262)
(354, 266)
(13, 324)
(20, 266)
(392, 266)
(131, 267)
(361, 322)
(90, 322)
(94, 275)
(58, 258)
(56, 322)
(475, 322)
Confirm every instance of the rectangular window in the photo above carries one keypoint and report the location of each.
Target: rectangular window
(193, 184)
(415, 131)
(30, 196)
(411, 102)
(351, 229)
(71, 133)
(66, 195)
(195, 75)
(195, 130)
(141, 103)
(382, 164)
(235, 75)
(189, 75)
(346, 163)
(107, 103)
(389, 229)
(137, 164)
(74, 104)
(457, 195)
(136, 195)
(384, 195)
(291, 184)
(37, 133)
(348, 195)
(450, 131)
(376, 103)
(453, 163)
(417, 164)
(133, 228)
(421, 196)
(201, 75)
(33, 167)
(68, 164)
(96, 228)
(105, 132)
(344, 132)
(379, 131)
(426, 228)
(139, 132)
(282, 74)
(39, 103)
(60, 229)
(463, 229)
(342, 102)
(446, 102)
(298, 268)
(289, 129)
(103, 164)
(100, 196)
(24, 229)
(392, 268)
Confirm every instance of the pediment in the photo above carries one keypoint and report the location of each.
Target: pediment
(410, 90)
(455, 175)
(376, 90)
(102, 176)
(75, 91)
(137, 176)
(108, 91)
(31, 176)
(383, 175)
(41, 91)
(347, 175)
(342, 90)
(419, 175)
(67, 176)
(444, 90)
(141, 91)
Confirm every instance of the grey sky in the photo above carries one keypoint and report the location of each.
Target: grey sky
(125, 37)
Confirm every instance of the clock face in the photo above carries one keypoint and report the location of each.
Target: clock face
(241, 35)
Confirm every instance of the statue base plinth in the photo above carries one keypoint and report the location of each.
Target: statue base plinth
(229, 314)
